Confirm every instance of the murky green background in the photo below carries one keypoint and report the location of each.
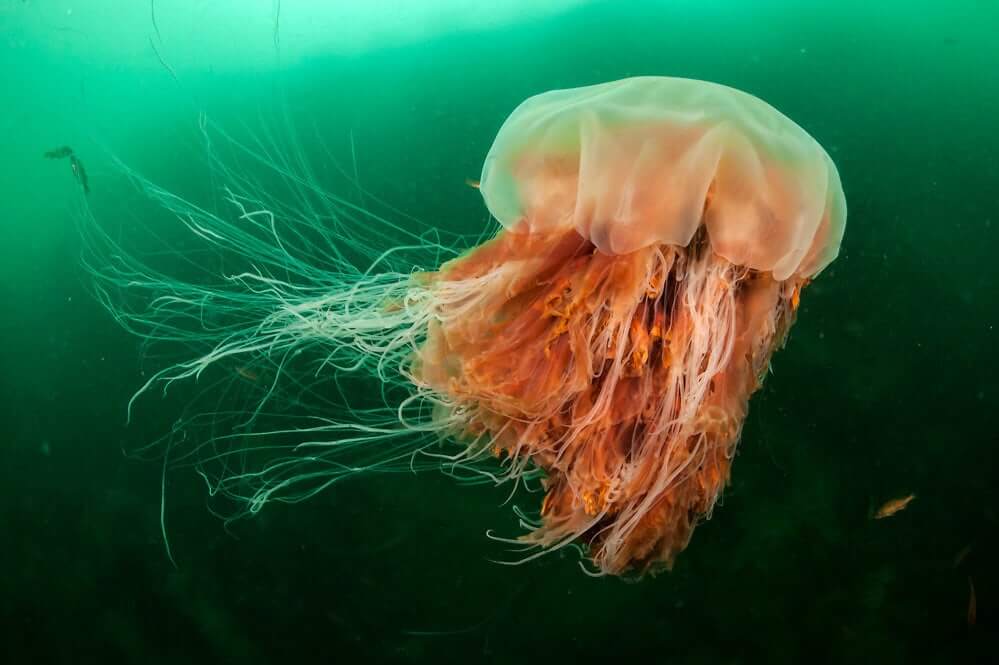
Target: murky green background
(888, 384)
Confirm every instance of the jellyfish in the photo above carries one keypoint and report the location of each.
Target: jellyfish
(655, 236)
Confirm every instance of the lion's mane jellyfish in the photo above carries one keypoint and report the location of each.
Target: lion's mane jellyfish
(657, 236)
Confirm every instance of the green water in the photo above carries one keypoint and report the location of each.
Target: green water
(887, 386)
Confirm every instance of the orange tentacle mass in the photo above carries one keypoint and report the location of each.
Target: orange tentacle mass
(625, 378)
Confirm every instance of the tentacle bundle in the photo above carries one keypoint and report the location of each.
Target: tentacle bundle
(625, 378)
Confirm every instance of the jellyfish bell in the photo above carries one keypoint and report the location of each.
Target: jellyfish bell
(656, 235)
(650, 160)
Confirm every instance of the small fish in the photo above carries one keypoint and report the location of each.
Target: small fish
(79, 172)
(893, 506)
(972, 604)
(247, 373)
(59, 153)
(75, 164)
(474, 184)
(962, 555)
